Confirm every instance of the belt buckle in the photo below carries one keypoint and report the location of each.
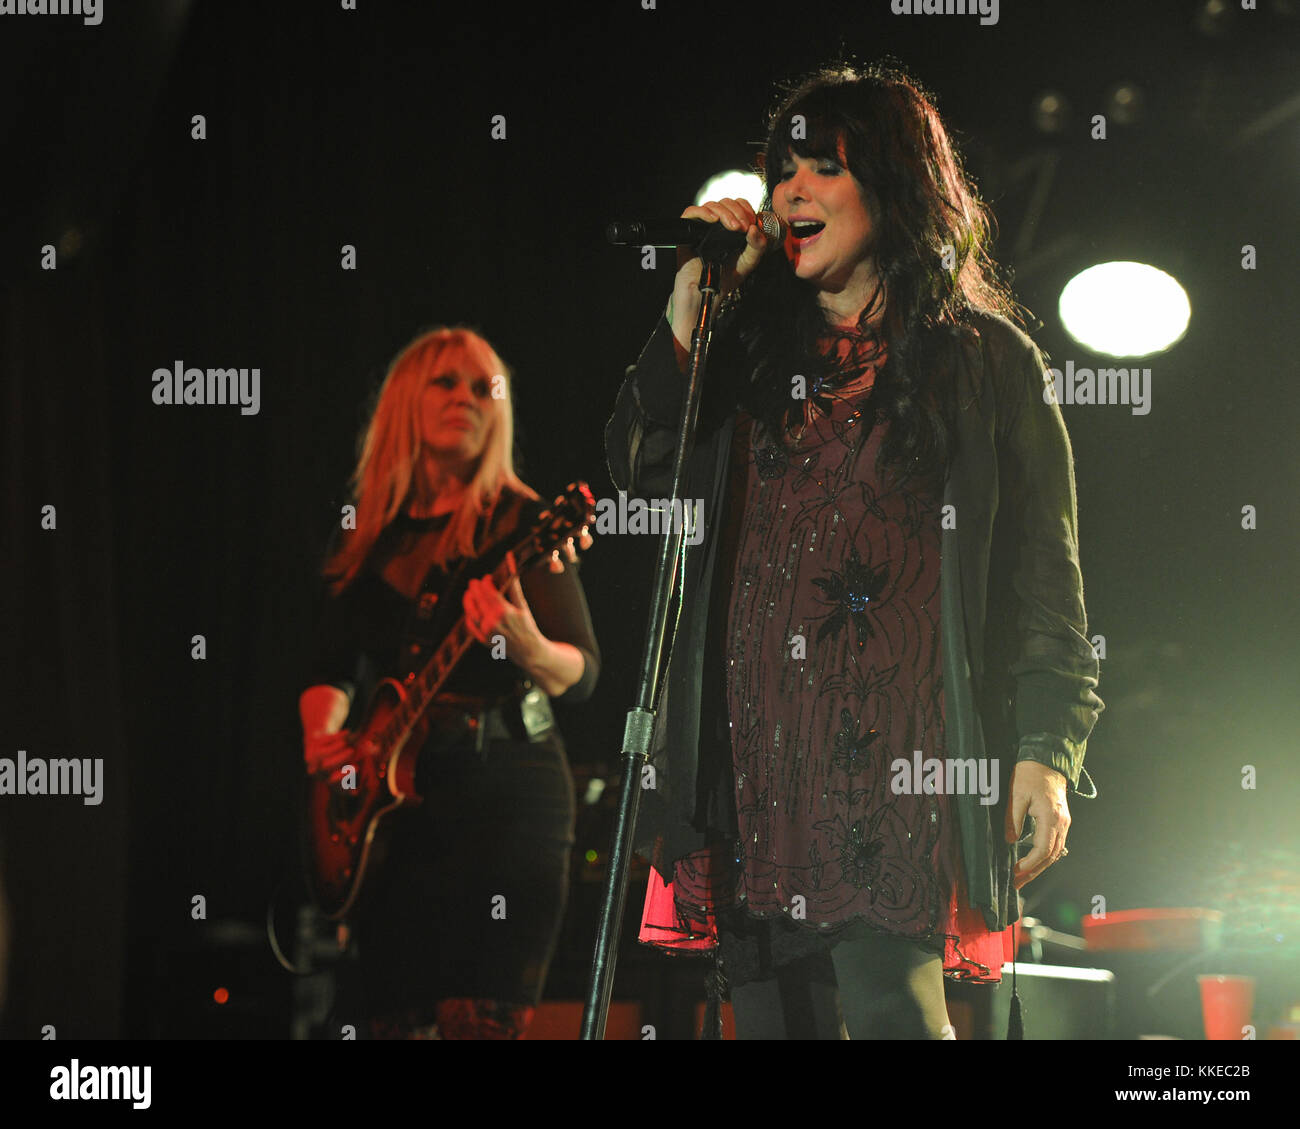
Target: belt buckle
(535, 712)
(477, 723)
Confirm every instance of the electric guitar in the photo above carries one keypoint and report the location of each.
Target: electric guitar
(347, 814)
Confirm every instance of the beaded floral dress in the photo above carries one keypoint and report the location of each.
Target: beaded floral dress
(833, 681)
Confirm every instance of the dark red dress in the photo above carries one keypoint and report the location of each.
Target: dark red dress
(833, 675)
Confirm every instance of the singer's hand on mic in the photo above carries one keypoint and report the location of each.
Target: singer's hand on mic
(735, 215)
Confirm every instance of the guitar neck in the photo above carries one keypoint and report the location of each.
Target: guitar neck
(425, 685)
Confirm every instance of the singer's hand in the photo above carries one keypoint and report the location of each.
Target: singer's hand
(1038, 791)
(735, 215)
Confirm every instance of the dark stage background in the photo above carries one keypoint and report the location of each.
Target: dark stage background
(328, 127)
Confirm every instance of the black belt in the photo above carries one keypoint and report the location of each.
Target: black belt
(459, 717)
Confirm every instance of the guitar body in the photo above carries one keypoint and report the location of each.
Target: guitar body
(347, 817)
(347, 823)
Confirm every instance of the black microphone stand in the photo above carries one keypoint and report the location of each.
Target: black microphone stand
(640, 719)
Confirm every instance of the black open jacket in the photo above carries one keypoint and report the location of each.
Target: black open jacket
(1019, 672)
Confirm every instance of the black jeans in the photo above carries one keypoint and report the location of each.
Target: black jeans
(469, 901)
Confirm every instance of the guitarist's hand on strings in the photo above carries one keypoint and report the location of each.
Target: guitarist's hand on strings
(325, 743)
(325, 752)
(552, 666)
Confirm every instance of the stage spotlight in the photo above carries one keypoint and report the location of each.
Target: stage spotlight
(1050, 111)
(1124, 309)
(1125, 103)
(1213, 18)
(734, 183)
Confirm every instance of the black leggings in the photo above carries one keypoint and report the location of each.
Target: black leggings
(880, 987)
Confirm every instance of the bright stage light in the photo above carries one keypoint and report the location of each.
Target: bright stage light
(734, 183)
(1125, 309)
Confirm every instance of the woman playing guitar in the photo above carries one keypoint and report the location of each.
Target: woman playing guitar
(458, 919)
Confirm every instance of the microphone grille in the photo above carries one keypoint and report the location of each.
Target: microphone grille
(770, 224)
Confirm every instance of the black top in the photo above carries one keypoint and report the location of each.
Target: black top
(368, 631)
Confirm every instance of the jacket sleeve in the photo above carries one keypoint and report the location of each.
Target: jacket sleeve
(641, 435)
(1055, 669)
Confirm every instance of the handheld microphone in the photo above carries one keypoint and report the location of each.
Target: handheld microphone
(689, 233)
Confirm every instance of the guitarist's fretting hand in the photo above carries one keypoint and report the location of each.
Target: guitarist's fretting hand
(555, 564)
(553, 666)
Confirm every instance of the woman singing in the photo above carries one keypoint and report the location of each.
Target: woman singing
(888, 580)
(457, 926)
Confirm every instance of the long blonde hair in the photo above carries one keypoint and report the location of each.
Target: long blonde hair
(391, 445)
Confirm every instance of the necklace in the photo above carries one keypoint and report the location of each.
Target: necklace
(850, 422)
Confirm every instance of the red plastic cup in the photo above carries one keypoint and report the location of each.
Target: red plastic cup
(1226, 1003)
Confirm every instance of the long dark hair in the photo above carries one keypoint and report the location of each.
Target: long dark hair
(896, 145)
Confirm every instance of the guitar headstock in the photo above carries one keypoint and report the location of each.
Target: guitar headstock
(570, 516)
